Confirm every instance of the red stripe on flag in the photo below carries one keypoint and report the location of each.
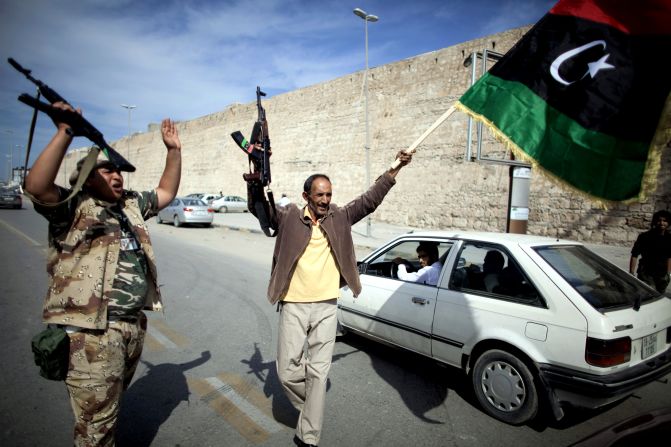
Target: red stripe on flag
(644, 17)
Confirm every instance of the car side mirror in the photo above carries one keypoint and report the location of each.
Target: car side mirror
(361, 266)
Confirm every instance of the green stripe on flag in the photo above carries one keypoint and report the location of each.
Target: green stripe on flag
(598, 164)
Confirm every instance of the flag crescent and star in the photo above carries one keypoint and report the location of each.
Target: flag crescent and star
(592, 67)
(583, 96)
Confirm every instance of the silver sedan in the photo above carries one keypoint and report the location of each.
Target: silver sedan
(186, 210)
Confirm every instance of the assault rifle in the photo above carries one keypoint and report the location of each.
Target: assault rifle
(258, 152)
(79, 126)
(259, 159)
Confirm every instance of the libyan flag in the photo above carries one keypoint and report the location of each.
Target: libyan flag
(582, 95)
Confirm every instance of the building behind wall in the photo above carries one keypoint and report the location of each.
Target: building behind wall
(321, 128)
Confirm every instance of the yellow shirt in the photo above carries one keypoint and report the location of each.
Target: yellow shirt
(316, 277)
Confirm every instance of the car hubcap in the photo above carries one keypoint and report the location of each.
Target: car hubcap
(503, 387)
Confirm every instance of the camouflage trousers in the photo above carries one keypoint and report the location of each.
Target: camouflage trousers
(102, 364)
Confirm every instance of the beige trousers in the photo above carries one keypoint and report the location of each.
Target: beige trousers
(304, 349)
(102, 364)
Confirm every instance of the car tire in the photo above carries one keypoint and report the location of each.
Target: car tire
(505, 387)
(223, 209)
(176, 222)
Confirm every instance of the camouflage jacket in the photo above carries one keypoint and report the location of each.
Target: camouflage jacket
(83, 253)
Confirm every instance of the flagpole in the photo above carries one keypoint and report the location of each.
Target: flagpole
(413, 147)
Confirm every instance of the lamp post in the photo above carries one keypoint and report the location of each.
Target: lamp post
(10, 156)
(18, 146)
(129, 108)
(366, 18)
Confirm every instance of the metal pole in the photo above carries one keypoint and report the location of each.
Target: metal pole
(366, 18)
(368, 220)
(9, 157)
(129, 107)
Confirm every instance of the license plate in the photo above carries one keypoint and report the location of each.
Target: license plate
(198, 212)
(648, 346)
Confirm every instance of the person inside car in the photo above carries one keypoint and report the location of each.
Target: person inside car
(427, 253)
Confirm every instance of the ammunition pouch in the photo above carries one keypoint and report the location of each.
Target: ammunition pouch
(51, 349)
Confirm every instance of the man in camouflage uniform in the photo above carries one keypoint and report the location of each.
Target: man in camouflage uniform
(102, 273)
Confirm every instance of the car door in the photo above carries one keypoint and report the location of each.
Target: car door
(399, 312)
(480, 295)
(240, 204)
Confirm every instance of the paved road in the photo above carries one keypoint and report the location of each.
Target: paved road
(207, 377)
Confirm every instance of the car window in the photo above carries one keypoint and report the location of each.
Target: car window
(174, 202)
(193, 202)
(384, 265)
(489, 269)
(601, 283)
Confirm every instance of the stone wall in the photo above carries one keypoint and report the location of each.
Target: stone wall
(321, 128)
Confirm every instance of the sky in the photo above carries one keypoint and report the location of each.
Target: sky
(186, 59)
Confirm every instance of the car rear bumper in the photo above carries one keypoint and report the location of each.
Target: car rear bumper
(593, 391)
(15, 203)
(198, 219)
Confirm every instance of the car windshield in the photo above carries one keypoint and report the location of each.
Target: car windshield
(193, 202)
(601, 283)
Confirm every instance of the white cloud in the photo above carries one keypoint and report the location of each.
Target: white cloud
(186, 59)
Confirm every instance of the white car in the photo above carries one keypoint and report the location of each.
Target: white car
(553, 324)
(209, 198)
(230, 204)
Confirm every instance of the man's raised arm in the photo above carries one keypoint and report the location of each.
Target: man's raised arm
(40, 180)
(172, 173)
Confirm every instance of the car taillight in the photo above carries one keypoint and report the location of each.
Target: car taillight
(604, 353)
(210, 210)
(187, 209)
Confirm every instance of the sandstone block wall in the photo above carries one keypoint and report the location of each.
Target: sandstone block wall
(321, 128)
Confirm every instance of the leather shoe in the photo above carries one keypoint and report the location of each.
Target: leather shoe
(299, 442)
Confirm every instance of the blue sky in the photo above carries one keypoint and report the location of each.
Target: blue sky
(186, 59)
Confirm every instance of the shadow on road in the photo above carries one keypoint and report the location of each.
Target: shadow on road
(266, 372)
(424, 384)
(421, 382)
(150, 401)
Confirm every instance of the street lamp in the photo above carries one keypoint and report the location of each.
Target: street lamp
(366, 18)
(19, 147)
(10, 156)
(129, 108)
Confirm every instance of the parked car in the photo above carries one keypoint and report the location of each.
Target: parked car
(186, 210)
(556, 324)
(209, 198)
(230, 204)
(10, 197)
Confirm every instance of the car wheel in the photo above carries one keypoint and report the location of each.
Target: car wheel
(175, 221)
(223, 209)
(505, 387)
